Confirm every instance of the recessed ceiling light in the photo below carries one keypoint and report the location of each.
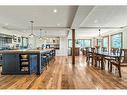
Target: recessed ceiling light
(6, 24)
(55, 10)
(58, 24)
(96, 21)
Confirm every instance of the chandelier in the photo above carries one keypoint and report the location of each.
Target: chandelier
(100, 36)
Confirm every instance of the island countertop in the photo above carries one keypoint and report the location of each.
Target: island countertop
(25, 51)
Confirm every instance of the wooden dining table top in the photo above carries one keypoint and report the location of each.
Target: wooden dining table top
(107, 53)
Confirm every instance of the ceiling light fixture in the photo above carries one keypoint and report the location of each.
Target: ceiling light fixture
(96, 21)
(45, 34)
(58, 24)
(6, 24)
(55, 10)
(32, 34)
(100, 37)
(40, 35)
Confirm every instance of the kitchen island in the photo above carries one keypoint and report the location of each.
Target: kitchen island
(24, 61)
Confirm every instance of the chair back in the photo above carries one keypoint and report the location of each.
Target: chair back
(119, 58)
(90, 51)
(103, 49)
(115, 50)
(124, 55)
(86, 50)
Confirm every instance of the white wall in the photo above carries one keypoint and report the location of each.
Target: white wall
(35, 42)
(63, 51)
(11, 32)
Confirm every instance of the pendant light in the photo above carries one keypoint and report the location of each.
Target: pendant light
(100, 37)
(45, 34)
(32, 34)
(40, 38)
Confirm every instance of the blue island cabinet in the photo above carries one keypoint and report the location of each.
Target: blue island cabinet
(12, 64)
(33, 64)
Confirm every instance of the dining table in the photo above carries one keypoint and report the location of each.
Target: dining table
(106, 54)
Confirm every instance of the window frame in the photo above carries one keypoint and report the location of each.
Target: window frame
(81, 39)
(22, 42)
(103, 41)
(121, 39)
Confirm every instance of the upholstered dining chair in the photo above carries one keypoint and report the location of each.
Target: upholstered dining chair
(120, 61)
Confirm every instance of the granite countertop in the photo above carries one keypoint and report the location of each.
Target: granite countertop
(25, 51)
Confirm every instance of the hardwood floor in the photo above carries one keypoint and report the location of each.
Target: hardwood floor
(61, 74)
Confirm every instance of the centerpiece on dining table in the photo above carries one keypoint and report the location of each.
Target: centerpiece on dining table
(97, 48)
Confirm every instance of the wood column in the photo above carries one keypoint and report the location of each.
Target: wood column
(73, 46)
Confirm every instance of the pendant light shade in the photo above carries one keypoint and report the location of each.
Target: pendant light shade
(40, 38)
(32, 34)
(45, 34)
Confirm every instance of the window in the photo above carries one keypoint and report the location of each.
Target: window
(99, 42)
(24, 42)
(116, 40)
(82, 43)
(86, 43)
(106, 42)
(5, 40)
(69, 43)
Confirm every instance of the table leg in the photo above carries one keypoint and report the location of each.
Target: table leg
(102, 62)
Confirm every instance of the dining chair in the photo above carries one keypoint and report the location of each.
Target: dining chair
(97, 60)
(113, 51)
(120, 61)
(96, 56)
(86, 52)
(90, 55)
(104, 49)
(1, 59)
